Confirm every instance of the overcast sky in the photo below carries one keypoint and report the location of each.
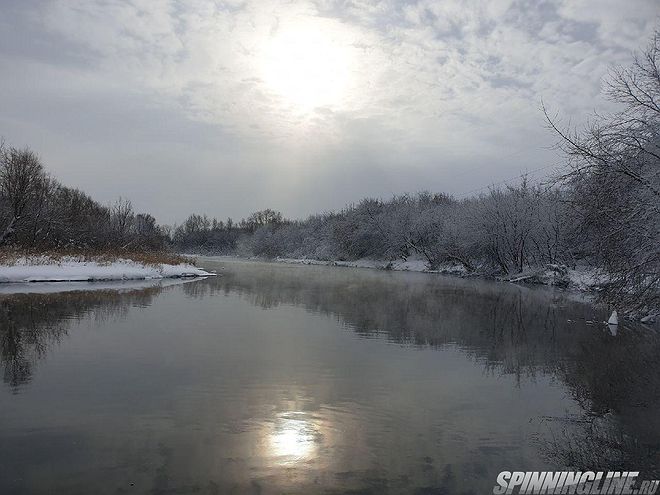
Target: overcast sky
(225, 107)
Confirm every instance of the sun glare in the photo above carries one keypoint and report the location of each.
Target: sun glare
(293, 439)
(307, 67)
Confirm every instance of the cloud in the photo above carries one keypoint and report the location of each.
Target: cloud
(412, 60)
(435, 85)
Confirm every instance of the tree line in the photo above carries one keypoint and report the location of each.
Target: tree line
(603, 210)
(37, 212)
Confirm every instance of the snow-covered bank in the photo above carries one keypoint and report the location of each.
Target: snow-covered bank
(581, 279)
(71, 269)
(398, 265)
(581, 282)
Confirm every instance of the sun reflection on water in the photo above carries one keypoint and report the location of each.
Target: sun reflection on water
(293, 438)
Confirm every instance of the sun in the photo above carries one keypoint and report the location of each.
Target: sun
(307, 66)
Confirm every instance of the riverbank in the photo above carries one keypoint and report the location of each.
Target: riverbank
(583, 282)
(583, 279)
(97, 267)
(580, 279)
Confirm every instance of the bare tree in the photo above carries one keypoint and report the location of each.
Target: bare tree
(21, 177)
(262, 218)
(122, 218)
(614, 180)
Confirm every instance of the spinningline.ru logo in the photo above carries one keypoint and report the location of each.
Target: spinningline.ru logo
(579, 482)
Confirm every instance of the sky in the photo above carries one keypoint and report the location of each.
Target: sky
(227, 107)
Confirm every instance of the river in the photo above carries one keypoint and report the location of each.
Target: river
(274, 378)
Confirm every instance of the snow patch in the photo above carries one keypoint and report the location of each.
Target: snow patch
(69, 269)
(614, 319)
(398, 265)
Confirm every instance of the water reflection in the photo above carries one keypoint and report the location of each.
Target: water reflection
(31, 323)
(293, 438)
(271, 378)
(613, 374)
(604, 443)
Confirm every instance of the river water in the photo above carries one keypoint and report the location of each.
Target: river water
(273, 378)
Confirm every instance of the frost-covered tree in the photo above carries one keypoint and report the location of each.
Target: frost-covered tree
(262, 218)
(521, 226)
(614, 182)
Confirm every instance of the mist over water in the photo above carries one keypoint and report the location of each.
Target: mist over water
(274, 378)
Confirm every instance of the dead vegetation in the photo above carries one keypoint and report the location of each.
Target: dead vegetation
(12, 256)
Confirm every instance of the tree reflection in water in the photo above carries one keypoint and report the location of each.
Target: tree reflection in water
(32, 323)
(509, 330)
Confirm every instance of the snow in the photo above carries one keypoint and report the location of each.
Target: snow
(614, 319)
(650, 318)
(585, 278)
(69, 269)
(582, 279)
(398, 265)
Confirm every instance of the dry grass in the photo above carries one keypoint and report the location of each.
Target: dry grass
(11, 256)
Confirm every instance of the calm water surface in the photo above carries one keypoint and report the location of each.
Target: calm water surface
(295, 379)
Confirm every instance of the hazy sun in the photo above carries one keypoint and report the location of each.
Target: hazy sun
(306, 66)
